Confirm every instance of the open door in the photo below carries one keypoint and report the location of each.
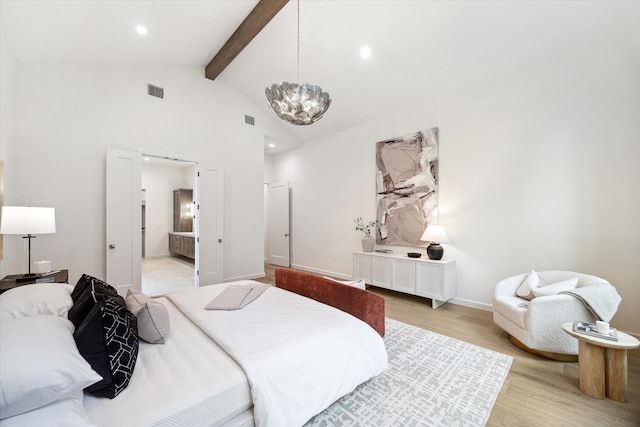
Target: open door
(279, 224)
(209, 225)
(123, 220)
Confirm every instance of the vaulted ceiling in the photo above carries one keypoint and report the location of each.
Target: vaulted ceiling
(422, 51)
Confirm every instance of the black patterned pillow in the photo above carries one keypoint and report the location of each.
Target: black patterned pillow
(108, 340)
(85, 301)
(85, 282)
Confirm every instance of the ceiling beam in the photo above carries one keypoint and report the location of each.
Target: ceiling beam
(259, 17)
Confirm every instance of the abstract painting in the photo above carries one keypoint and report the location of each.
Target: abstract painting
(406, 187)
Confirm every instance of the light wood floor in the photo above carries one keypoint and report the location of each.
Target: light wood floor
(537, 391)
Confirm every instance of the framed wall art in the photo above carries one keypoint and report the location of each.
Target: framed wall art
(406, 187)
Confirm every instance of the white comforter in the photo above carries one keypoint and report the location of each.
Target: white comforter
(171, 385)
(299, 355)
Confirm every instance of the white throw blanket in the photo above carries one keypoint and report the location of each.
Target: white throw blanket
(600, 299)
(299, 355)
(236, 297)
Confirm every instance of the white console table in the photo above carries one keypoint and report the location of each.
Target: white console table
(417, 276)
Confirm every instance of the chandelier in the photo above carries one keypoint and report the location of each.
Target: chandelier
(298, 104)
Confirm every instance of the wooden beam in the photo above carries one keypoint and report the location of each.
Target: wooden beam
(259, 17)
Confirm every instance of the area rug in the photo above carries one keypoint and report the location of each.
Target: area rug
(432, 380)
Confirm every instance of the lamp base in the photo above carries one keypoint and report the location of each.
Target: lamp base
(27, 277)
(435, 251)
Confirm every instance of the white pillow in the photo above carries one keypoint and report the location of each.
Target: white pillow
(355, 283)
(35, 300)
(152, 315)
(67, 412)
(525, 290)
(39, 363)
(555, 288)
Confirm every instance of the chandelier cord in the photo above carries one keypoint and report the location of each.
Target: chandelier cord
(298, 53)
(297, 104)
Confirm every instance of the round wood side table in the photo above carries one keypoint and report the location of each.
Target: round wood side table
(602, 364)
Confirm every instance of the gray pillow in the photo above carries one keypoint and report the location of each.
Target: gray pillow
(152, 315)
(525, 290)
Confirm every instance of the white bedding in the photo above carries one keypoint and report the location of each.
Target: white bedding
(166, 389)
(299, 355)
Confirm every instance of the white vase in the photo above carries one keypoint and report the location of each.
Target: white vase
(367, 243)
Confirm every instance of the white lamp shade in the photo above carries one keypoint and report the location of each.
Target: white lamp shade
(435, 233)
(27, 220)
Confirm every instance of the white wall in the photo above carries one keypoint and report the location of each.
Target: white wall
(7, 101)
(268, 168)
(67, 116)
(7, 108)
(268, 174)
(160, 180)
(537, 171)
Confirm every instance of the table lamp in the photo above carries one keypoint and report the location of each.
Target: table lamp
(28, 220)
(435, 234)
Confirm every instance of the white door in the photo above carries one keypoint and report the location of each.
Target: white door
(279, 224)
(209, 225)
(123, 220)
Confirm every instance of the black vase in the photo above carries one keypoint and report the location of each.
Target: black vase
(435, 251)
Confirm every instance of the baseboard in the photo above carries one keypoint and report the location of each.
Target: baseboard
(472, 304)
(157, 256)
(321, 272)
(246, 277)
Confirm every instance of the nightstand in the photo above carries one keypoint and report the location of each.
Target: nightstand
(14, 280)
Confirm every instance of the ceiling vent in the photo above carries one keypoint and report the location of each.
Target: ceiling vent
(248, 120)
(156, 91)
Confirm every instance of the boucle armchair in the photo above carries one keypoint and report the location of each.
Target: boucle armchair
(536, 325)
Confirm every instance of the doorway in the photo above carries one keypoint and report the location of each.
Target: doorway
(168, 232)
(123, 221)
(278, 213)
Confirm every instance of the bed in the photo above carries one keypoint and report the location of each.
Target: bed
(278, 361)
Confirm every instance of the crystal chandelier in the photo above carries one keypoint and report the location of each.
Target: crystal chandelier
(298, 104)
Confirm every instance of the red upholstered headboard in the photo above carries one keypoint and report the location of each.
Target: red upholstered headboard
(362, 304)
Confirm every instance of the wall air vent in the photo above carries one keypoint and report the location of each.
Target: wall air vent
(248, 120)
(156, 91)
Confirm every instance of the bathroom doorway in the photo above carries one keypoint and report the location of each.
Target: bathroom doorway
(168, 234)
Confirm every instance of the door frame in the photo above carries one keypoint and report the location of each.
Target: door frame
(136, 244)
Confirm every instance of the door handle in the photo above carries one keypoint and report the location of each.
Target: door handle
(112, 246)
(219, 240)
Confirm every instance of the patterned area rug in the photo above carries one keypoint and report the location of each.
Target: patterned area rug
(432, 380)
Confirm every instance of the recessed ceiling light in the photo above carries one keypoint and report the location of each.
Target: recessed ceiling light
(365, 52)
(142, 30)
(272, 145)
